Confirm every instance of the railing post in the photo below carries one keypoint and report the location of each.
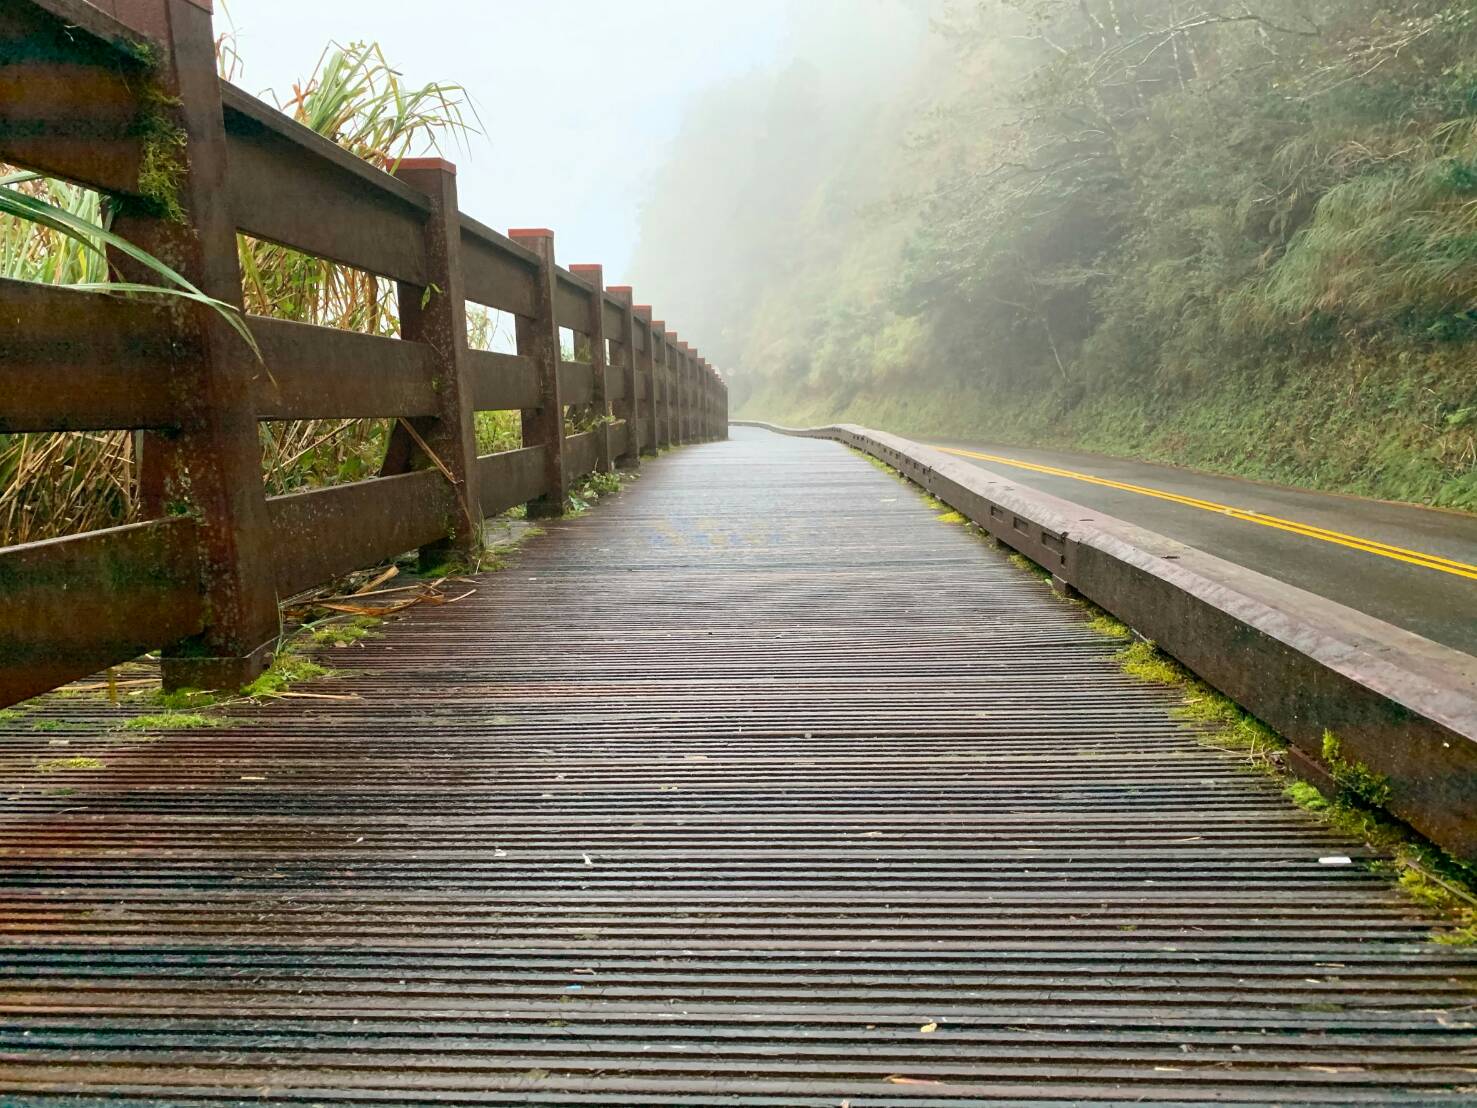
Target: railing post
(538, 340)
(692, 398)
(673, 363)
(710, 391)
(595, 332)
(648, 370)
(680, 393)
(211, 468)
(718, 422)
(663, 357)
(628, 408)
(702, 395)
(681, 385)
(436, 315)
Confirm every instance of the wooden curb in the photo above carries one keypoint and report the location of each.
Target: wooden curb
(1400, 705)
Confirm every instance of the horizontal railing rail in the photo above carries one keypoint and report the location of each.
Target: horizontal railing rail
(132, 107)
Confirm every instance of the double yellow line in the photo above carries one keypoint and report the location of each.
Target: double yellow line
(1292, 526)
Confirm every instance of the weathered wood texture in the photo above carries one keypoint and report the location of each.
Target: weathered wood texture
(619, 829)
(327, 532)
(322, 373)
(81, 86)
(210, 464)
(72, 606)
(511, 478)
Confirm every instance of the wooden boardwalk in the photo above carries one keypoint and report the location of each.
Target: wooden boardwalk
(757, 785)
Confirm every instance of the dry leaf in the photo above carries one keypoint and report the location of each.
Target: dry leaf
(928, 1028)
(377, 582)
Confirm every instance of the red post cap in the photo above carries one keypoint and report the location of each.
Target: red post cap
(426, 163)
(530, 233)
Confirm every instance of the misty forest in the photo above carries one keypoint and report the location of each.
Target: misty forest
(1236, 234)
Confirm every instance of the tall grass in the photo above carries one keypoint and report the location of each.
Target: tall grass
(65, 483)
(356, 99)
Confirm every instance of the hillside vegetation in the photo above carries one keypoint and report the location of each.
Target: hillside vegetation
(1239, 234)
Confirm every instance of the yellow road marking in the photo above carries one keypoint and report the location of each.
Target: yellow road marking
(1308, 530)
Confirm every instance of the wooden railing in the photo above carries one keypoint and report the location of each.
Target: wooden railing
(103, 98)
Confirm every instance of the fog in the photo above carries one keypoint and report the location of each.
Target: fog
(580, 102)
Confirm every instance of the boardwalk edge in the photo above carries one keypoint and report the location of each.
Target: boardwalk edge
(1399, 704)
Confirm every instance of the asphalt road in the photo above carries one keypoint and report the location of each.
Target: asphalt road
(1423, 577)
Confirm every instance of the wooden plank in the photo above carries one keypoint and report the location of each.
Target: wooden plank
(511, 478)
(83, 361)
(325, 373)
(497, 271)
(69, 93)
(501, 382)
(294, 187)
(571, 302)
(326, 533)
(72, 606)
(576, 382)
(581, 454)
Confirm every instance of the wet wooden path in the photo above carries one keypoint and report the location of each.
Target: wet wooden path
(755, 786)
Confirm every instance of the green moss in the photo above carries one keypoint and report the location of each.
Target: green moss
(1426, 873)
(1355, 778)
(11, 715)
(1109, 627)
(951, 517)
(343, 633)
(1145, 661)
(180, 699)
(1217, 719)
(1306, 796)
(877, 463)
(286, 670)
(143, 52)
(454, 565)
(1446, 897)
(58, 765)
(172, 721)
(163, 155)
(1020, 561)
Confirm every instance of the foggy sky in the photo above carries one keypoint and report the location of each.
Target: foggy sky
(580, 98)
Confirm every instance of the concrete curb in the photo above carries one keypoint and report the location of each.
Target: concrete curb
(1401, 705)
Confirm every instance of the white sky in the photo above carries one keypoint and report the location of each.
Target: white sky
(580, 99)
